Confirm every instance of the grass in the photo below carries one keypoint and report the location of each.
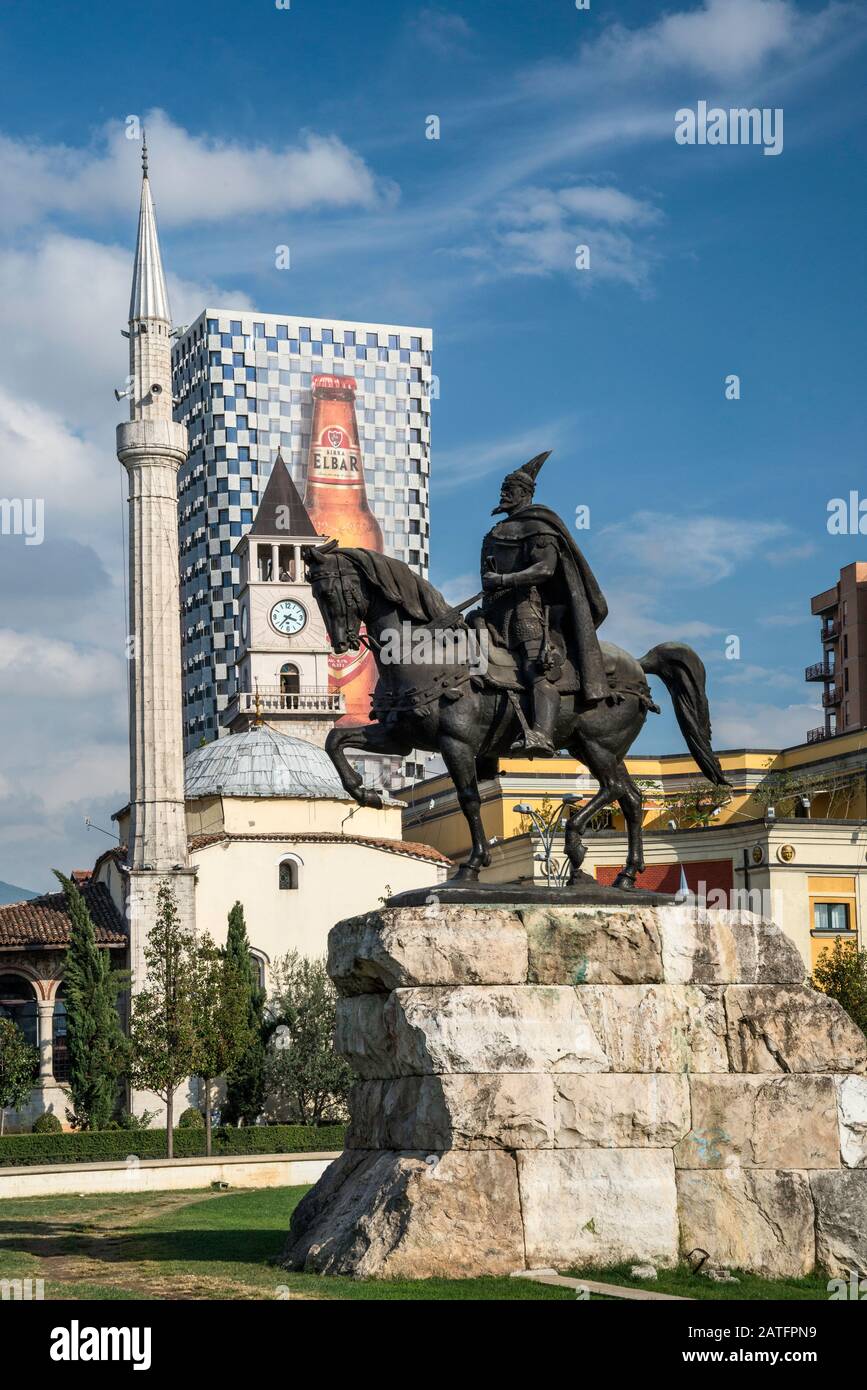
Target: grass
(194, 1245)
(224, 1246)
(685, 1284)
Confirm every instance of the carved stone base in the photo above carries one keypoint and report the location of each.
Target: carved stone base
(587, 1085)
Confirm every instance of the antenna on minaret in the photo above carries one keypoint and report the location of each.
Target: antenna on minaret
(144, 152)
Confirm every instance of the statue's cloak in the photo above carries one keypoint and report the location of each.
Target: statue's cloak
(575, 587)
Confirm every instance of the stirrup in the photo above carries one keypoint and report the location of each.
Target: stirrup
(534, 745)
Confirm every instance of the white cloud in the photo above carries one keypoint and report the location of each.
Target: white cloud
(537, 231)
(721, 39)
(456, 467)
(746, 673)
(743, 725)
(444, 33)
(708, 548)
(197, 178)
(39, 667)
(455, 590)
(634, 625)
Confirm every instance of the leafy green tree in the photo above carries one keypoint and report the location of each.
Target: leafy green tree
(221, 1017)
(307, 1080)
(97, 1046)
(838, 793)
(19, 1068)
(162, 1031)
(842, 973)
(695, 805)
(245, 1079)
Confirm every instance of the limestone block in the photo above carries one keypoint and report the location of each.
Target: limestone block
(753, 1219)
(791, 1028)
(592, 945)
(410, 1216)
(518, 1110)
(499, 1028)
(841, 1219)
(436, 945)
(598, 1206)
(761, 1122)
(611, 1110)
(706, 948)
(852, 1109)
(665, 1028)
(510, 1111)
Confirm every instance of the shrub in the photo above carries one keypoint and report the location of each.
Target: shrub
(136, 1123)
(47, 1124)
(191, 1119)
(113, 1146)
(841, 972)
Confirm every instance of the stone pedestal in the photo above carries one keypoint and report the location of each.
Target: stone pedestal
(587, 1085)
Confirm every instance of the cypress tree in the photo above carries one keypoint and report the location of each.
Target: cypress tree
(95, 1040)
(245, 1080)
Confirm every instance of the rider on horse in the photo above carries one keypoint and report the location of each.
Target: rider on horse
(542, 602)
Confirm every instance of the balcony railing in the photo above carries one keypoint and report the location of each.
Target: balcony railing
(819, 671)
(308, 700)
(831, 631)
(832, 696)
(816, 735)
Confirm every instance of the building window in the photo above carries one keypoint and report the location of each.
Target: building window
(290, 680)
(288, 874)
(831, 917)
(60, 1051)
(18, 1002)
(258, 964)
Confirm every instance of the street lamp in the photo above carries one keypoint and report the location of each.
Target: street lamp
(546, 829)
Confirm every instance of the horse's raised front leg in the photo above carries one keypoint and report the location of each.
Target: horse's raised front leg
(460, 760)
(367, 738)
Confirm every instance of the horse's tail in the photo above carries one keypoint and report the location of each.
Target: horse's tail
(682, 671)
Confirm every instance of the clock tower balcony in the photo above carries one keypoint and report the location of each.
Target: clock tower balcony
(309, 712)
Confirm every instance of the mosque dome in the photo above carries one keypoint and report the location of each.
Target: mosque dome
(262, 762)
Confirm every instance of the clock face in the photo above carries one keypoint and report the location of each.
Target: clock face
(288, 616)
(245, 622)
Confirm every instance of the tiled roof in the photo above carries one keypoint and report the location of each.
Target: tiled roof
(322, 837)
(281, 510)
(263, 763)
(44, 921)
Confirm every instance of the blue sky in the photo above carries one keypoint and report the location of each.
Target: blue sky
(307, 126)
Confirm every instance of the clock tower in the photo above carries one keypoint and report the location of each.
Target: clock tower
(282, 667)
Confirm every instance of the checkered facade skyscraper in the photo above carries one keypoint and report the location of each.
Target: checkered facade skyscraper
(242, 388)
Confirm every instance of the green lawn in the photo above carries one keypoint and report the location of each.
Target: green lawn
(685, 1284)
(196, 1245)
(204, 1245)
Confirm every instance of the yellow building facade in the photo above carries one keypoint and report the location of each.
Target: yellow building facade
(792, 828)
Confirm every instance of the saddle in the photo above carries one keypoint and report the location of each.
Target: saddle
(503, 673)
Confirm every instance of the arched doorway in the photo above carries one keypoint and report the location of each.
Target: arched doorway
(290, 679)
(18, 1002)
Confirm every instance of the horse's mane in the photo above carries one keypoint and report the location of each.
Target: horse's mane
(400, 584)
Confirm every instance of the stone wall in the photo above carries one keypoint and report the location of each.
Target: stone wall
(586, 1085)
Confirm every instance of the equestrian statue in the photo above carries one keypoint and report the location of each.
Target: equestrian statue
(524, 674)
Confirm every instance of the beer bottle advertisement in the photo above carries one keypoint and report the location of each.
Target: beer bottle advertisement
(336, 502)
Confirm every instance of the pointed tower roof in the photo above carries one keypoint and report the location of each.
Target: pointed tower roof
(149, 299)
(281, 493)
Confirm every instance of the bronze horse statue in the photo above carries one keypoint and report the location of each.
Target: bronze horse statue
(439, 691)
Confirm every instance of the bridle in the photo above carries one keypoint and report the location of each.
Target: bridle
(351, 595)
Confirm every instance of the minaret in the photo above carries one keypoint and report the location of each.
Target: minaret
(152, 446)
